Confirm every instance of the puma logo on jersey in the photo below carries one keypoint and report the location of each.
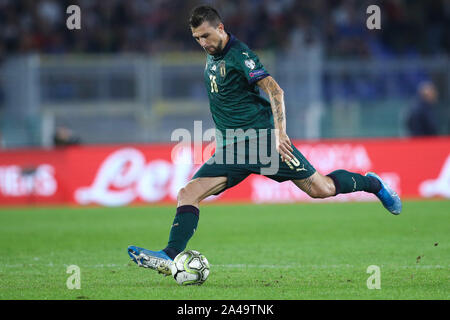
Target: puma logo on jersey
(175, 224)
(246, 54)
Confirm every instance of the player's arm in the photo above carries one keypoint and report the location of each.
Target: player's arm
(276, 96)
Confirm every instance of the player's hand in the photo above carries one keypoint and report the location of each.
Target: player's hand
(284, 146)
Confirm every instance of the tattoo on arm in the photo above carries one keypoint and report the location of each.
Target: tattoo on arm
(276, 95)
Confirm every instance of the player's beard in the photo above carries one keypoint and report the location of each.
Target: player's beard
(217, 49)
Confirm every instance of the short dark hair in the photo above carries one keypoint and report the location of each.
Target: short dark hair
(204, 13)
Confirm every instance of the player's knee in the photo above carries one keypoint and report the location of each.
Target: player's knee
(184, 196)
(316, 193)
(322, 190)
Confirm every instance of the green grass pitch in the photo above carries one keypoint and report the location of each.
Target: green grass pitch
(281, 252)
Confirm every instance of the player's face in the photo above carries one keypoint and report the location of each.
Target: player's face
(209, 38)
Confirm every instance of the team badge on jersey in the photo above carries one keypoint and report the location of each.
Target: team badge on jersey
(250, 64)
(222, 68)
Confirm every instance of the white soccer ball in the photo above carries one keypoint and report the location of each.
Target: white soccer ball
(190, 267)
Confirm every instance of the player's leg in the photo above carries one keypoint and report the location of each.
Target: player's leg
(316, 185)
(184, 224)
(342, 181)
(339, 181)
(200, 188)
(188, 213)
(211, 179)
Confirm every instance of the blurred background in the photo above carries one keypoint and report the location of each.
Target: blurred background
(133, 72)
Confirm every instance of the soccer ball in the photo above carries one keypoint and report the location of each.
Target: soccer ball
(190, 267)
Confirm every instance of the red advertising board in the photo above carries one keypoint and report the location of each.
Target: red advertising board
(152, 173)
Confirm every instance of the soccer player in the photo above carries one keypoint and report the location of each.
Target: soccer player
(233, 76)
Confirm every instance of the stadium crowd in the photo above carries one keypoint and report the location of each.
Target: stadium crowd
(149, 26)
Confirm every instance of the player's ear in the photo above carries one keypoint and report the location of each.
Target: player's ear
(221, 27)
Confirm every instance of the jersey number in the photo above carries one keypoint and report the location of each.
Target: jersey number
(214, 87)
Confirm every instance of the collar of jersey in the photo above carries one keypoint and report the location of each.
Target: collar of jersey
(226, 49)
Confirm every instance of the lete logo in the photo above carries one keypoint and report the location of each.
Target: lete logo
(125, 176)
(439, 186)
